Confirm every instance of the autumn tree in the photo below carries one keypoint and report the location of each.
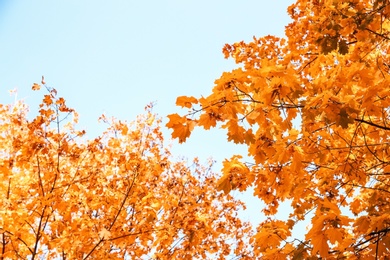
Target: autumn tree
(118, 196)
(313, 110)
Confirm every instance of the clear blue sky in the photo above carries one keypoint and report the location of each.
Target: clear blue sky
(114, 57)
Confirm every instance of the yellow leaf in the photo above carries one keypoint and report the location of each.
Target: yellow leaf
(104, 234)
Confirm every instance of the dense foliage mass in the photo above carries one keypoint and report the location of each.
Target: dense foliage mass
(313, 110)
(118, 196)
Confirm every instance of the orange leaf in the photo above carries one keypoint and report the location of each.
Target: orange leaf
(185, 101)
(320, 244)
(104, 234)
(47, 100)
(181, 126)
(334, 236)
(224, 184)
(174, 119)
(208, 120)
(36, 86)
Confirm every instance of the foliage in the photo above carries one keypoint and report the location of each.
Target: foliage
(313, 110)
(118, 196)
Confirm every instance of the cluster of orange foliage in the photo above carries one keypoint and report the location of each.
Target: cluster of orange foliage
(118, 196)
(313, 108)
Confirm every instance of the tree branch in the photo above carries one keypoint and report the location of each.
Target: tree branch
(372, 124)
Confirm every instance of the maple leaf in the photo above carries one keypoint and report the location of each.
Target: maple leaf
(320, 244)
(48, 100)
(328, 44)
(208, 120)
(104, 234)
(345, 119)
(181, 126)
(185, 101)
(224, 184)
(334, 235)
(36, 86)
(237, 133)
(343, 47)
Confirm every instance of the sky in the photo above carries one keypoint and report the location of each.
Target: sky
(115, 57)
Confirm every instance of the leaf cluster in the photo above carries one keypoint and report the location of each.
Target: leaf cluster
(313, 110)
(117, 196)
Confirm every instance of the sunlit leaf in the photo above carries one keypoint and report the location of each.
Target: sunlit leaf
(185, 101)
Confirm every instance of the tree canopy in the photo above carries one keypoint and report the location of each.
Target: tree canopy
(313, 110)
(118, 196)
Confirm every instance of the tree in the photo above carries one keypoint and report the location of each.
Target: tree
(313, 110)
(118, 196)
